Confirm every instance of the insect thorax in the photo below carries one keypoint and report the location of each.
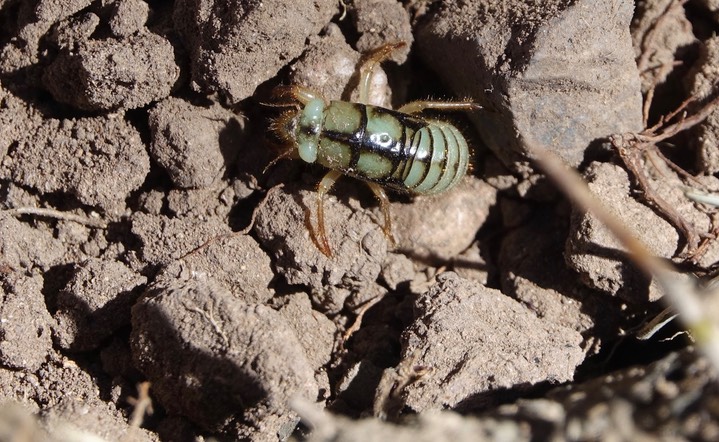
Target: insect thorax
(367, 142)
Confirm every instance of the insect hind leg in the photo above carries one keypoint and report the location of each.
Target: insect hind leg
(369, 63)
(384, 205)
(416, 107)
(323, 187)
(294, 93)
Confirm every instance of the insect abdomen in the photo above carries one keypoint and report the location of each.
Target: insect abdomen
(439, 159)
(398, 150)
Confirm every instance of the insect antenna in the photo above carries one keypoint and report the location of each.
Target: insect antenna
(292, 104)
(287, 153)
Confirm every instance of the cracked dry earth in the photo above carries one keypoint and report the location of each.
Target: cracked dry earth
(145, 242)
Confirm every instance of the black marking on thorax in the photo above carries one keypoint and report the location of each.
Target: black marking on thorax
(359, 141)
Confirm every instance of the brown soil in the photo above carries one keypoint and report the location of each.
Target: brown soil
(144, 239)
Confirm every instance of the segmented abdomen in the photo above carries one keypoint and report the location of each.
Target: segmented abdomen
(397, 150)
(438, 159)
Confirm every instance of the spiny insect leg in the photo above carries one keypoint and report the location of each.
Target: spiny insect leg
(322, 188)
(295, 93)
(370, 61)
(384, 205)
(415, 107)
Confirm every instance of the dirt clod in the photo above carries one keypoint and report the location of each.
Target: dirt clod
(561, 73)
(358, 245)
(166, 239)
(111, 74)
(74, 419)
(315, 332)
(235, 262)
(227, 365)
(380, 22)
(22, 246)
(85, 151)
(327, 65)
(531, 262)
(25, 320)
(439, 228)
(193, 144)
(34, 20)
(258, 38)
(595, 253)
(95, 303)
(397, 269)
(489, 343)
(128, 17)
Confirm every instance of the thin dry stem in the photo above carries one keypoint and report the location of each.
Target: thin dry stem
(663, 71)
(647, 105)
(57, 214)
(681, 294)
(649, 135)
(649, 329)
(631, 156)
(360, 315)
(651, 35)
(142, 407)
(210, 318)
(668, 117)
(631, 146)
(674, 166)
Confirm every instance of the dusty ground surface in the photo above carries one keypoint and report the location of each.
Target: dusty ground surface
(143, 243)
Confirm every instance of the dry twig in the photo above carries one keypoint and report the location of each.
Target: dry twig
(360, 315)
(632, 148)
(651, 35)
(56, 214)
(387, 401)
(143, 407)
(695, 309)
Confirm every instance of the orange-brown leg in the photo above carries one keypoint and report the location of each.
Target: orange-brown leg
(322, 188)
(369, 63)
(293, 93)
(384, 205)
(415, 107)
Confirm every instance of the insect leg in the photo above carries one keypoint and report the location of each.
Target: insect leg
(369, 62)
(415, 107)
(294, 93)
(322, 188)
(384, 205)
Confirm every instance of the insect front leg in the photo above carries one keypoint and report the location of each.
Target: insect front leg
(415, 107)
(369, 63)
(322, 188)
(384, 205)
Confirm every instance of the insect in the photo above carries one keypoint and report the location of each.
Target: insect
(398, 149)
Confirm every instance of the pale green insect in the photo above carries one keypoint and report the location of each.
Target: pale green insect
(399, 149)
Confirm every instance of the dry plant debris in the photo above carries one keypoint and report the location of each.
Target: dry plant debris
(141, 243)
